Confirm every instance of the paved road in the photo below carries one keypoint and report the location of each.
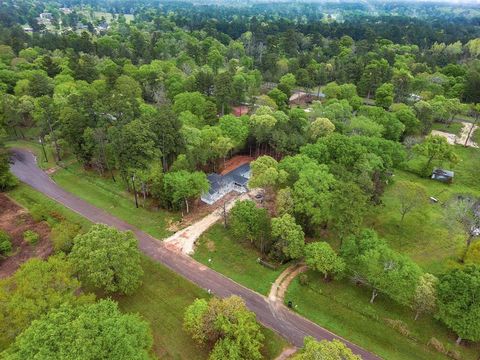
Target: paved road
(277, 317)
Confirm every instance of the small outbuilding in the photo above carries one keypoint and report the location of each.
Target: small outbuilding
(442, 175)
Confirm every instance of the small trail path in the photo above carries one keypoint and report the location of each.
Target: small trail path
(280, 286)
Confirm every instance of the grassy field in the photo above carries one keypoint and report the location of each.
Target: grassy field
(454, 128)
(113, 198)
(235, 260)
(345, 309)
(427, 235)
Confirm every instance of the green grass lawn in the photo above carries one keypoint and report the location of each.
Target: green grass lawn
(453, 128)
(344, 309)
(113, 198)
(476, 136)
(162, 300)
(427, 235)
(235, 260)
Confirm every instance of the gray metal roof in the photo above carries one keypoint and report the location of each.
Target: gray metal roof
(239, 176)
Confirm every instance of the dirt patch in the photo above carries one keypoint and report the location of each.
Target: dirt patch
(210, 245)
(15, 220)
(235, 162)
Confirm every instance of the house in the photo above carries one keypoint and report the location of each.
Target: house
(445, 176)
(220, 185)
(240, 110)
(46, 16)
(303, 98)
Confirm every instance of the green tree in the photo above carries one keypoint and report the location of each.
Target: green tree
(227, 326)
(165, 125)
(182, 186)
(458, 292)
(348, 207)
(325, 350)
(288, 236)
(393, 274)
(410, 196)
(223, 90)
(311, 195)
(94, 331)
(108, 259)
(425, 297)
(247, 222)
(435, 148)
(320, 257)
(280, 98)
(320, 127)
(265, 173)
(133, 147)
(34, 289)
(384, 95)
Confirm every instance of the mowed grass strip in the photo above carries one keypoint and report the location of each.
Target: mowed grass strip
(344, 308)
(234, 259)
(112, 197)
(162, 300)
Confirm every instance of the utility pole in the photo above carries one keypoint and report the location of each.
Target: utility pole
(134, 191)
(40, 140)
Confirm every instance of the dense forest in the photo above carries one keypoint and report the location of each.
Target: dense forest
(146, 93)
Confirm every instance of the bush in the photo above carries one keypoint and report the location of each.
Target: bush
(399, 326)
(62, 236)
(39, 212)
(454, 354)
(303, 279)
(437, 345)
(31, 237)
(5, 242)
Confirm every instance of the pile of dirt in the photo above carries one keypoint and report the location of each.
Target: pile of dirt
(15, 220)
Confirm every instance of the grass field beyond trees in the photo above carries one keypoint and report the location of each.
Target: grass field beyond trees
(427, 235)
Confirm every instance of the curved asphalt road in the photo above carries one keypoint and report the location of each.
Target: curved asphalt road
(277, 317)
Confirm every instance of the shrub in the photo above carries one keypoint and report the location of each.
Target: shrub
(62, 236)
(437, 345)
(5, 242)
(303, 279)
(399, 326)
(31, 237)
(454, 354)
(39, 212)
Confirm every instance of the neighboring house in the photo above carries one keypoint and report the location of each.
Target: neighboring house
(46, 15)
(445, 176)
(220, 185)
(240, 110)
(303, 98)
